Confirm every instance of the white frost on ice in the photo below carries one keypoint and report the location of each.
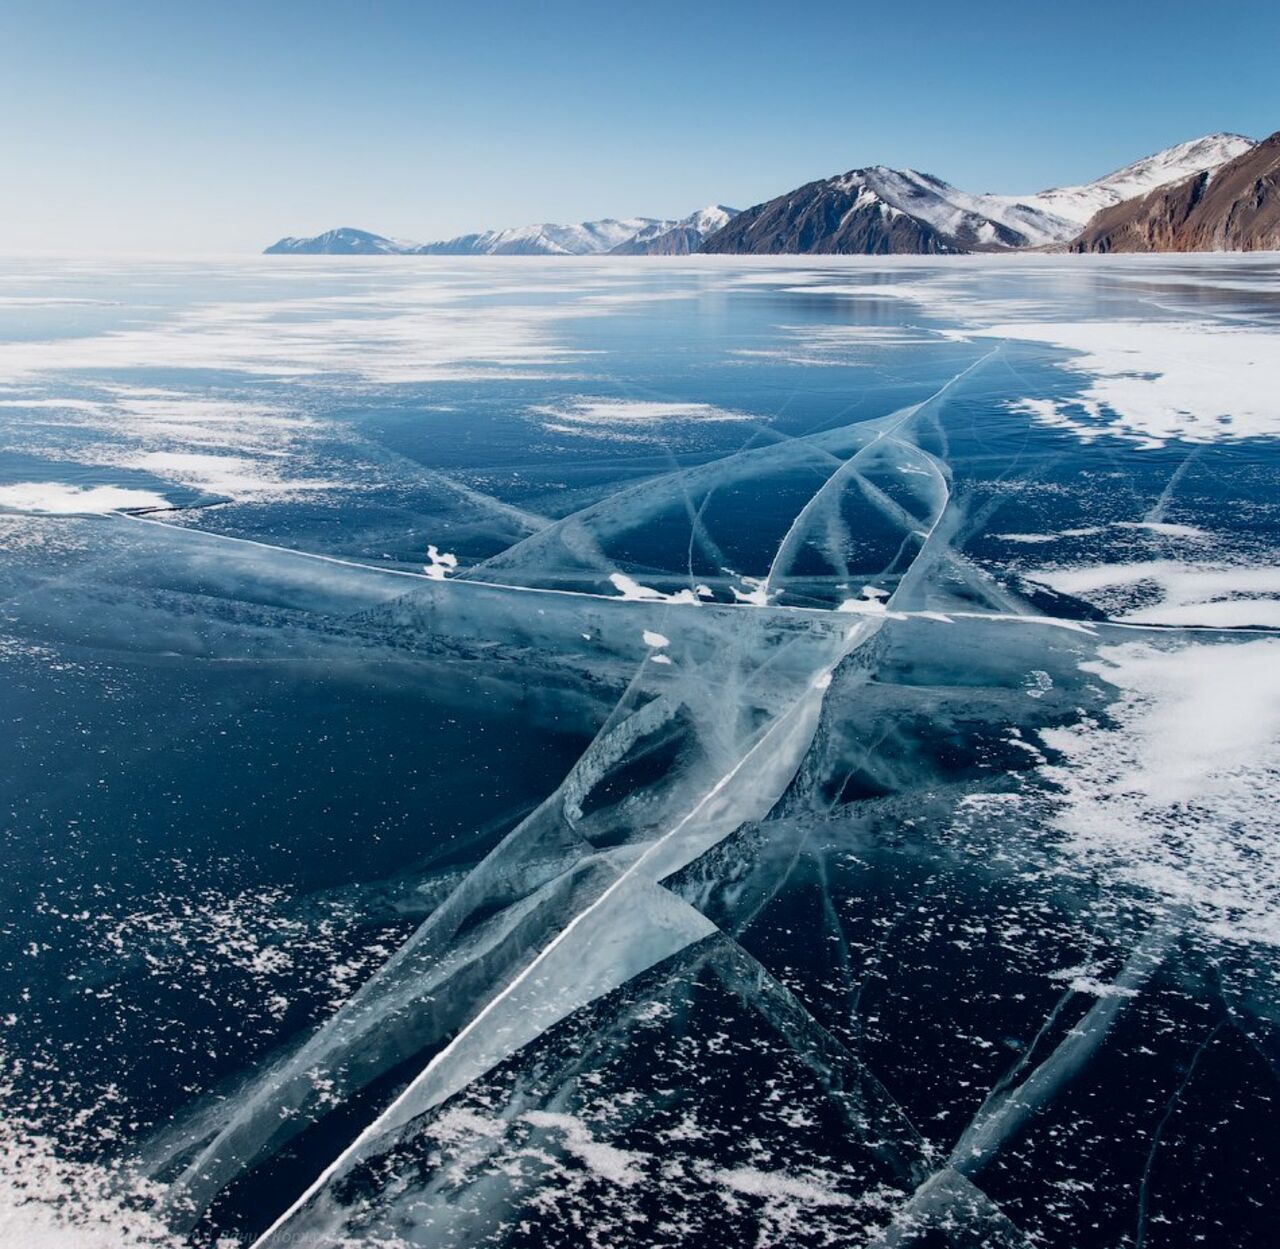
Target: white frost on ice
(236, 476)
(423, 331)
(1162, 528)
(50, 1201)
(1085, 531)
(848, 345)
(90, 406)
(1085, 980)
(1159, 528)
(791, 1203)
(617, 1166)
(592, 417)
(656, 640)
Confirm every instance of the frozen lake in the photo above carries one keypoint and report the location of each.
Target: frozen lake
(655, 753)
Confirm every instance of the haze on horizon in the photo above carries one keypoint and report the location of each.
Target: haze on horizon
(145, 127)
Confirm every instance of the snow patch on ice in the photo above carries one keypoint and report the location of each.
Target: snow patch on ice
(1218, 596)
(1155, 381)
(1176, 794)
(57, 498)
(439, 563)
(630, 588)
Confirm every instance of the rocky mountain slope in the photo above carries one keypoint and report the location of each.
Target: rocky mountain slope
(1235, 207)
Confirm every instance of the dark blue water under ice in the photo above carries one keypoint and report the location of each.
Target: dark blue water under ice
(818, 789)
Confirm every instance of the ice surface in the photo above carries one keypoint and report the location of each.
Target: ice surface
(833, 808)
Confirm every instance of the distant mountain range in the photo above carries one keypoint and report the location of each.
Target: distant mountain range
(1218, 192)
(634, 236)
(882, 211)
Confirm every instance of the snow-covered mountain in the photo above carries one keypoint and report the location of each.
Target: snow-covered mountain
(345, 241)
(882, 211)
(651, 236)
(1076, 204)
(677, 238)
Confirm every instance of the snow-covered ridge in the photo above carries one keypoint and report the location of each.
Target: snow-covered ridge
(1076, 204)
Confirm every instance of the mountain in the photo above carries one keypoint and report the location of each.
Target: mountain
(1174, 164)
(651, 236)
(341, 242)
(1235, 207)
(678, 238)
(876, 211)
(881, 211)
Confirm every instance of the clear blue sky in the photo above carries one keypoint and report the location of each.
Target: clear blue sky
(220, 125)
